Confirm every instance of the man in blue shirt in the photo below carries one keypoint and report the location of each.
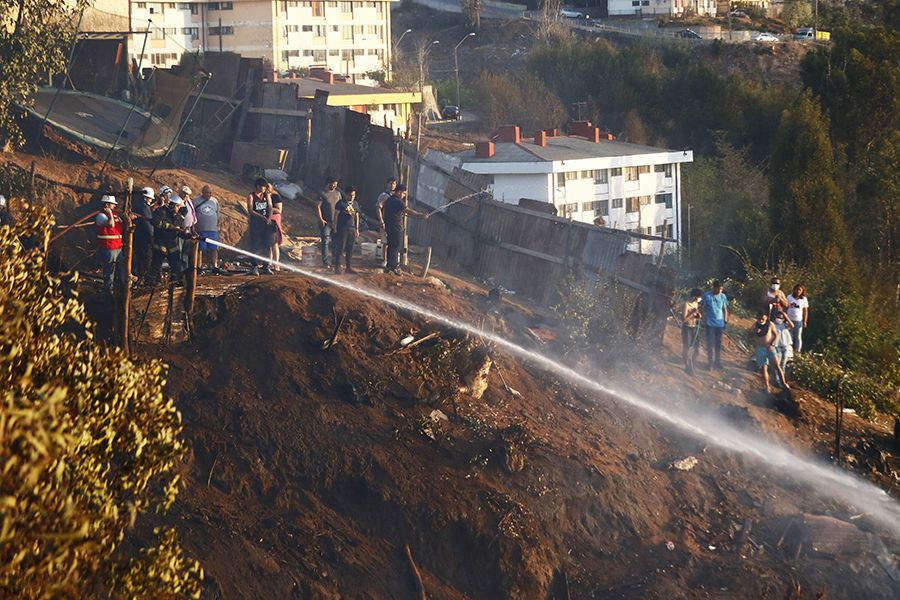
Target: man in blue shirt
(714, 307)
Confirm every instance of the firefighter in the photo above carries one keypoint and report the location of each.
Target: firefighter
(166, 242)
(109, 241)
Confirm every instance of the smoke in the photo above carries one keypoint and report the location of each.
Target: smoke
(824, 479)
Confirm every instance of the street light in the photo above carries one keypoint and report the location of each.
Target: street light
(456, 63)
(401, 37)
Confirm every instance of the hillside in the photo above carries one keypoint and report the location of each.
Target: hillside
(311, 470)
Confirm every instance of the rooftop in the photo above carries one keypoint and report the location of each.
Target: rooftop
(307, 86)
(560, 148)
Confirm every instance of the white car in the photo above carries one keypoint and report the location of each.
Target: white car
(571, 13)
(765, 37)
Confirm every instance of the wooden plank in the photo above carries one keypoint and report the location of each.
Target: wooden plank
(528, 252)
(283, 112)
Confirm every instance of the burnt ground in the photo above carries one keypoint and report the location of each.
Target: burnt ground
(311, 469)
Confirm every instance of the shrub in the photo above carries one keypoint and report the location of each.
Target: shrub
(88, 444)
(830, 381)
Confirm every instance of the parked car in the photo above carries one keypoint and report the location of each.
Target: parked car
(571, 13)
(805, 33)
(765, 36)
(738, 13)
(451, 113)
(687, 33)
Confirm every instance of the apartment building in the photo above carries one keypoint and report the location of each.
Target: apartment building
(349, 38)
(673, 8)
(587, 175)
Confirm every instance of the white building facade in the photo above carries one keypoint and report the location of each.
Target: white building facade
(672, 8)
(586, 176)
(349, 38)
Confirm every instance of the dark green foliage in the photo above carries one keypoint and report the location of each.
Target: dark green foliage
(862, 393)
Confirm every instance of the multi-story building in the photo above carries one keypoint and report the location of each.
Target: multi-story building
(674, 8)
(585, 176)
(350, 38)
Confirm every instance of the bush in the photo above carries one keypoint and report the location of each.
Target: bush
(830, 381)
(88, 444)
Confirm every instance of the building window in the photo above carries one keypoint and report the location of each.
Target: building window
(601, 176)
(643, 169)
(346, 33)
(320, 31)
(334, 52)
(346, 7)
(670, 231)
(602, 208)
(617, 172)
(648, 230)
(306, 28)
(319, 55)
(617, 203)
(659, 230)
(318, 9)
(358, 31)
(289, 29)
(224, 30)
(286, 54)
(664, 198)
(332, 4)
(645, 2)
(346, 54)
(571, 175)
(194, 32)
(631, 173)
(667, 169)
(635, 2)
(307, 53)
(142, 5)
(221, 5)
(568, 209)
(632, 205)
(644, 200)
(359, 52)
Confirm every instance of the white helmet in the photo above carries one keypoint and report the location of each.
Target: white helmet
(2, 200)
(109, 200)
(148, 192)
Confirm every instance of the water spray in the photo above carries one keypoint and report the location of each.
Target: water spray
(842, 486)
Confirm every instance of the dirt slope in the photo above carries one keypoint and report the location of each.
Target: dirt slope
(310, 469)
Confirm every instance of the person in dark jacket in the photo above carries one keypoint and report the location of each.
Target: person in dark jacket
(166, 225)
(142, 246)
(325, 212)
(393, 211)
(346, 217)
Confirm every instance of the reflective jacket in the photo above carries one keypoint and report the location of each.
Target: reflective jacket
(109, 233)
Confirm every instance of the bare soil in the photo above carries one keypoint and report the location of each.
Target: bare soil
(311, 469)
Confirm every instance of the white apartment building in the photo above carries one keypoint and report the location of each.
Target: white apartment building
(587, 175)
(349, 38)
(674, 8)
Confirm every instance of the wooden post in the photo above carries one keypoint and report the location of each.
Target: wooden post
(31, 184)
(167, 325)
(127, 253)
(404, 252)
(191, 291)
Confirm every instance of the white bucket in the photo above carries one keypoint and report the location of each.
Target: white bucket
(367, 249)
(310, 255)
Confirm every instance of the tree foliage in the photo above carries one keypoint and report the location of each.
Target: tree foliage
(32, 45)
(88, 444)
(524, 100)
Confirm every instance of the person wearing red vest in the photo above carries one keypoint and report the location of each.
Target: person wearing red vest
(109, 241)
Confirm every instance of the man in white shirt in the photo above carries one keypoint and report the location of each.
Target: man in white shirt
(207, 207)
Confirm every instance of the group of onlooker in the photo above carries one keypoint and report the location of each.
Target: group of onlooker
(163, 223)
(777, 331)
(339, 223)
(264, 226)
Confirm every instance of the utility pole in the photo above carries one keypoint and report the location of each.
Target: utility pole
(423, 56)
(456, 63)
(220, 34)
(128, 252)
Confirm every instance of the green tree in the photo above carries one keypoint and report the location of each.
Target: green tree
(33, 43)
(807, 202)
(729, 200)
(797, 14)
(88, 445)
